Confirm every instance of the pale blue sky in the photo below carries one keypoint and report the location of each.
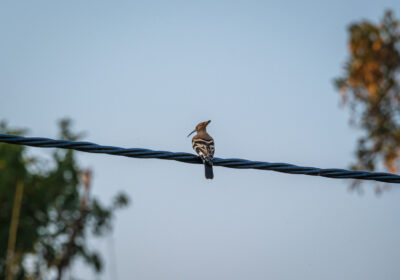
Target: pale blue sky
(143, 74)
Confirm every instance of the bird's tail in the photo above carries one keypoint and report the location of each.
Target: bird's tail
(208, 168)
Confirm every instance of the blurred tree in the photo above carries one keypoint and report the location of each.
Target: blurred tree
(56, 212)
(371, 86)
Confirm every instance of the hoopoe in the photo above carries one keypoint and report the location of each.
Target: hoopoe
(203, 144)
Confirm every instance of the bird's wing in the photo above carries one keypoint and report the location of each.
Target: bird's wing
(204, 148)
(211, 149)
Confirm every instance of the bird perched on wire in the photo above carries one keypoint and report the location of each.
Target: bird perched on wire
(203, 144)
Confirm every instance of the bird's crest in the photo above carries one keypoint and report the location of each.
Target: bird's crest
(201, 126)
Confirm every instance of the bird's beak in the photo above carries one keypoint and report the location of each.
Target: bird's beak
(208, 122)
(191, 132)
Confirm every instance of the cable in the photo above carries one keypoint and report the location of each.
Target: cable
(190, 158)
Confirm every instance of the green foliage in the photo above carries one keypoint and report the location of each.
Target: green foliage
(370, 85)
(56, 211)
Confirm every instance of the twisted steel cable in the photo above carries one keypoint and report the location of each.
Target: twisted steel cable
(191, 158)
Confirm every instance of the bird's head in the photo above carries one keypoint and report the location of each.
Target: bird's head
(201, 126)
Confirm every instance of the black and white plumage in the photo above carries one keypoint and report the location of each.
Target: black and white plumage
(203, 144)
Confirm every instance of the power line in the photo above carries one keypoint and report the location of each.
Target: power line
(190, 158)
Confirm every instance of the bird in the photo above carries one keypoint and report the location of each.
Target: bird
(203, 144)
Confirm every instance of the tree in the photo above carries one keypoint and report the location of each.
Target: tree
(56, 212)
(371, 86)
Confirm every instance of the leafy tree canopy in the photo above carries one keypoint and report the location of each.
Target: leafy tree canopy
(56, 211)
(370, 86)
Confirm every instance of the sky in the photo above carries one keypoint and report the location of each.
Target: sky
(144, 73)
